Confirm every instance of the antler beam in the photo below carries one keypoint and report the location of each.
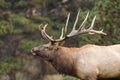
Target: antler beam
(74, 32)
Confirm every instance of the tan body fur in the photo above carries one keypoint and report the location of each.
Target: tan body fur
(89, 62)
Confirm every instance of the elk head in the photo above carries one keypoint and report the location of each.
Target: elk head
(45, 51)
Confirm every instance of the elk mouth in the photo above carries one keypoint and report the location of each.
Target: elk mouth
(35, 52)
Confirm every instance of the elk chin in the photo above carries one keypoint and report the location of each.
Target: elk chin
(44, 56)
(33, 53)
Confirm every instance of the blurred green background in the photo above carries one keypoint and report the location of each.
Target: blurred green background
(19, 32)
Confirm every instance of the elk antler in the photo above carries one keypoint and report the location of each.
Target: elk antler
(44, 34)
(74, 32)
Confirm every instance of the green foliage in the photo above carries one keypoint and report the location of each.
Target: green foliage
(5, 27)
(4, 4)
(9, 65)
(109, 17)
(21, 4)
(43, 20)
(21, 24)
(19, 20)
(69, 78)
(27, 45)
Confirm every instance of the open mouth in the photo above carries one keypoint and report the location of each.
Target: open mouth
(33, 53)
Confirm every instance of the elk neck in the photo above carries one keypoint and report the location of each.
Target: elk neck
(64, 60)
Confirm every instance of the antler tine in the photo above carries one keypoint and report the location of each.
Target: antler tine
(64, 30)
(82, 26)
(62, 33)
(77, 17)
(94, 31)
(98, 32)
(68, 17)
(41, 28)
(92, 24)
(44, 34)
(73, 32)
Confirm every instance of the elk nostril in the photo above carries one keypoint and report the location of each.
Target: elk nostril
(34, 49)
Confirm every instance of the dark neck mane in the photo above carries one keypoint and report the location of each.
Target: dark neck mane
(64, 63)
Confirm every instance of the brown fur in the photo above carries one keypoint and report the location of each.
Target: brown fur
(89, 62)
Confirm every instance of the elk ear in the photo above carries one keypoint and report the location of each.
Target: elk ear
(61, 43)
(55, 44)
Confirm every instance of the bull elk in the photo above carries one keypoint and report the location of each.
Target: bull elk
(90, 62)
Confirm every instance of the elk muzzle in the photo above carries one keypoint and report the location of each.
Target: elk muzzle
(34, 50)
